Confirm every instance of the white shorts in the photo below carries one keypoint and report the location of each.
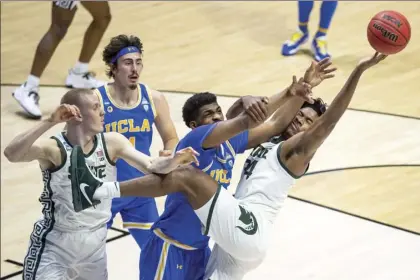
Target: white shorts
(241, 227)
(53, 254)
(238, 230)
(66, 4)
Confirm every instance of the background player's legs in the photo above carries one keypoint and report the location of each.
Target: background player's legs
(162, 260)
(27, 94)
(79, 77)
(291, 46)
(319, 44)
(138, 217)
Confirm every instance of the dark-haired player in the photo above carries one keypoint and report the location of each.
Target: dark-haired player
(176, 248)
(241, 225)
(131, 108)
(62, 15)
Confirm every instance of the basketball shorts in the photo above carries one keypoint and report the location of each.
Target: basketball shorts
(53, 254)
(138, 215)
(241, 227)
(66, 4)
(163, 258)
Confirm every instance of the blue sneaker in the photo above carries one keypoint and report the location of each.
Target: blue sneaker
(290, 47)
(319, 48)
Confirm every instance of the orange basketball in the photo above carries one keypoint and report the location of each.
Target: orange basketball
(389, 32)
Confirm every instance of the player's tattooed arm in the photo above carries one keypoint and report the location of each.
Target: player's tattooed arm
(297, 151)
(27, 146)
(120, 147)
(164, 123)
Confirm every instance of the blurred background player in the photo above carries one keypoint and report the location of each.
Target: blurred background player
(301, 36)
(79, 77)
(131, 108)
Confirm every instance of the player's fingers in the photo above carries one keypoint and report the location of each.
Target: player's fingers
(294, 79)
(257, 107)
(325, 65)
(329, 76)
(252, 115)
(327, 71)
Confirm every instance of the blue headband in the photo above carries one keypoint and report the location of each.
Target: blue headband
(124, 51)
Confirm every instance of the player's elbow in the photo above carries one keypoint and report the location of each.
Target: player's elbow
(10, 154)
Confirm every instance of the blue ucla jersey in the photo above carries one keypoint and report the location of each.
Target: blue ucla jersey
(179, 220)
(134, 122)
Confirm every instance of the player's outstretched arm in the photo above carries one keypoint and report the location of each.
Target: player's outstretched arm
(297, 151)
(283, 116)
(119, 147)
(225, 130)
(164, 123)
(288, 103)
(26, 147)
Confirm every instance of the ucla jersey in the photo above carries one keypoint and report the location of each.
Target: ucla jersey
(178, 220)
(134, 122)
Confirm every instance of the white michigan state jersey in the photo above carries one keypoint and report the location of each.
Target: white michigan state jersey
(265, 181)
(57, 199)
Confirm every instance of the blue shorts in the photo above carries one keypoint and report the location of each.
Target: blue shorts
(138, 215)
(163, 260)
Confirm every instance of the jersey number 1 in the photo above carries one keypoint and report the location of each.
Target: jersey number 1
(132, 140)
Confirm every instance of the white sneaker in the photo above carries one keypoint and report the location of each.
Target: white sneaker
(28, 98)
(84, 80)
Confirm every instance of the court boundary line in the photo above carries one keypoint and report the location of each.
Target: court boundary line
(227, 95)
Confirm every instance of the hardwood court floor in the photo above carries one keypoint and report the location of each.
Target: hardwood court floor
(233, 48)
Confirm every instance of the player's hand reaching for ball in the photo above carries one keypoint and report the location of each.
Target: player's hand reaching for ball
(65, 113)
(301, 89)
(186, 156)
(319, 71)
(371, 61)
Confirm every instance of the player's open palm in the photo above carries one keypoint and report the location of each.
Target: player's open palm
(371, 61)
(319, 71)
(186, 156)
(301, 89)
(65, 113)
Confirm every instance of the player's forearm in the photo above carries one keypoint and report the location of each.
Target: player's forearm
(321, 128)
(226, 129)
(21, 144)
(279, 100)
(162, 165)
(342, 100)
(170, 144)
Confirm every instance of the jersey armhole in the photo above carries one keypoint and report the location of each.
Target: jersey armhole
(106, 150)
(285, 167)
(63, 156)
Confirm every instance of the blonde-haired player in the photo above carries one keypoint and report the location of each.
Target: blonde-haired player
(66, 243)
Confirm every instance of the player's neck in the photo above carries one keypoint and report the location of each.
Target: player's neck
(76, 136)
(124, 95)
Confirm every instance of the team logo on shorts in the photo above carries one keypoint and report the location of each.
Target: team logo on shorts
(250, 222)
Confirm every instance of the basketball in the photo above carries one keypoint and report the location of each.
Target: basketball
(389, 32)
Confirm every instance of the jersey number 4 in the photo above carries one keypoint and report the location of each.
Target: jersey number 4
(249, 167)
